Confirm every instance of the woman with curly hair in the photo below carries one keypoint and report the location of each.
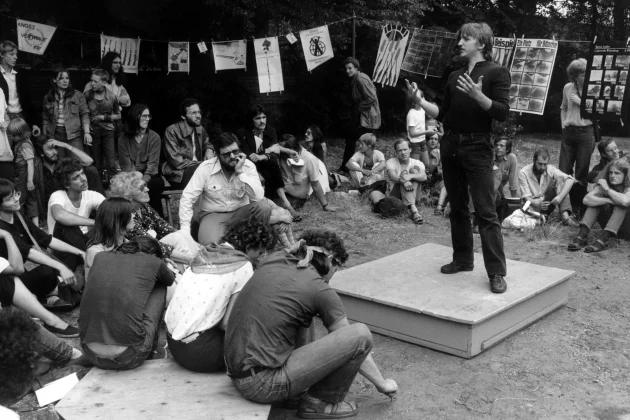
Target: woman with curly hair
(611, 195)
(197, 315)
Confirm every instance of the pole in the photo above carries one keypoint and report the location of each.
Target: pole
(354, 35)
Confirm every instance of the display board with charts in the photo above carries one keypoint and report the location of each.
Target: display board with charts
(531, 74)
(605, 83)
(429, 52)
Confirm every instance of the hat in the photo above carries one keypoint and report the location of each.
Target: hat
(299, 162)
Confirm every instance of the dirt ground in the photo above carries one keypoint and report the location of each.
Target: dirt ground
(572, 364)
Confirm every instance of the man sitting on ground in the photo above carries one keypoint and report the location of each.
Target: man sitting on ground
(546, 187)
(285, 293)
(230, 191)
(405, 174)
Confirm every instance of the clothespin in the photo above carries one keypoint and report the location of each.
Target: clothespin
(621, 119)
(595, 39)
(553, 37)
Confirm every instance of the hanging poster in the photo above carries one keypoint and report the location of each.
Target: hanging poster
(316, 46)
(390, 55)
(429, 52)
(230, 55)
(128, 48)
(202, 47)
(502, 51)
(178, 57)
(605, 83)
(268, 64)
(531, 73)
(34, 37)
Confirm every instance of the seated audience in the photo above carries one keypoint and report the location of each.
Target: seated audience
(197, 316)
(368, 164)
(285, 293)
(65, 114)
(230, 191)
(505, 172)
(185, 145)
(70, 209)
(611, 196)
(608, 152)
(139, 151)
(122, 307)
(404, 175)
(316, 144)
(546, 187)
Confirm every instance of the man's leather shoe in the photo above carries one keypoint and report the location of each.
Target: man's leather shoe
(497, 284)
(455, 267)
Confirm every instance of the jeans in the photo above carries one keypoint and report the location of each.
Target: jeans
(577, 147)
(325, 367)
(214, 225)
(53, 347)
(613, 215)
(204, 354)
(133, 357)
(407, 197)
(467, 162)
(552, 190)
(77, 142)
(40, 281)
(103, 151)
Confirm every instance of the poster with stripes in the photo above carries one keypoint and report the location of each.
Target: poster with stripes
(267, 51)
(429, 52)
(391, 51)
(502, 51)
(128, 48)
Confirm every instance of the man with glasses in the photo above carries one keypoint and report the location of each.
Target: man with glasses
(185, 146)
(404, 175)
(230, 191)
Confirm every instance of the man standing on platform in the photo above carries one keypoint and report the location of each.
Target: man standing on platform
(475, 95)
(366, 118)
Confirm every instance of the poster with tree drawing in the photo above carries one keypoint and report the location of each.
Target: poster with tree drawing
(390, 55)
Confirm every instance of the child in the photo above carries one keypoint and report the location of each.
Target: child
(27, 183)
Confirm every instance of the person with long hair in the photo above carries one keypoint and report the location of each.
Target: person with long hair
(112, 222)
(65, 114)
(122, 307)
(608, 152)
(611, 196)
(316, 143)
(139, 151)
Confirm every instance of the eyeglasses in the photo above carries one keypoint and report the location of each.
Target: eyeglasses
(15, 197)
(146, 117)
(230, 153)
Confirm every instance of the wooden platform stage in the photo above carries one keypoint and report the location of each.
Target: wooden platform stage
(406, 297)
(158, 389)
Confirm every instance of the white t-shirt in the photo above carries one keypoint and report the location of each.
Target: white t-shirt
(4, 264)
(416, 118)
(394, 165)
(90, 200)
(200, 300)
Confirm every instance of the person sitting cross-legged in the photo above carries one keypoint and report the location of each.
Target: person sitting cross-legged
(368, 164)
(546, 187)
(404, 175)
(612, 196)
(285, 293)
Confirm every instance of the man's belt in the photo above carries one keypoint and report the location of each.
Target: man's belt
(247, 373)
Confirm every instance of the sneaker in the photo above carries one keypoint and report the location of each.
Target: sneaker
(497, 284)
(54, 303)
(455, 267)
(68, 332)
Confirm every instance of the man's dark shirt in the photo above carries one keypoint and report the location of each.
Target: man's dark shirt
(21, 238)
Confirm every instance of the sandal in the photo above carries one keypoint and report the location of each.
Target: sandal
(417, 218)
(598, 246)
(577, 243)
(312, 408)
(439, 210)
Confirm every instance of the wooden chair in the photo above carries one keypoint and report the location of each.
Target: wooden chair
(167, 196)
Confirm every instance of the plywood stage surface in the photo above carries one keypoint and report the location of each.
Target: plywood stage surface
(405, 296)
(158, 389)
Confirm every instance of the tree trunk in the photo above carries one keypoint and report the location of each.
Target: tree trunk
(619, 19)
(594, 17)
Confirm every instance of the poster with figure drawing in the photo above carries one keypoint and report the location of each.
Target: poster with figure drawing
(429, 52)
(531, 69)
(390, 55)
(268, 64)
(502, 51)
(230, 55)
(316, 46)
(178, 57)
(128, 48)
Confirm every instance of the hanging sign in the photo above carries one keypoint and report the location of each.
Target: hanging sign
(128, 48)
(502, 51)
(178, 57)
(291, 38)
(316, 46)
(429, 52)
(202, 47)
(34, 37)
(230, 55)
(268, 64)
(390, 55)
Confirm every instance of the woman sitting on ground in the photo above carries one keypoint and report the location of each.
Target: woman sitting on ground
(122, 308)
(316, 144)
(367, 165)
(608, 152)
(611, 195)
(197, 315)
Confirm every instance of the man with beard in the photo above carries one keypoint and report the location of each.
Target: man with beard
(47, 150)
(230, 191)
(185, 146)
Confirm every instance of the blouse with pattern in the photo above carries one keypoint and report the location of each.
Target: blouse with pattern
(147, 219)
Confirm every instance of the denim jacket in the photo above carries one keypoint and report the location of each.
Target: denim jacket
(76, 114)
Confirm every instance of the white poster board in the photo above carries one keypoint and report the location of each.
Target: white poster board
(230, 55)
(34, 37)
(316, 46)
(268, 64)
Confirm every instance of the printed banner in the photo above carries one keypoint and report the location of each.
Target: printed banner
(531, 74)
(390, 55)
(268, 64)
(230, 55)
(503, 50)
(128, 48)
(179, 57)
(429, 52)
(605, 83)
(33, 37)
(316, 46)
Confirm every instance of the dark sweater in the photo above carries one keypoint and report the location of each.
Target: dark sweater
(463, 114)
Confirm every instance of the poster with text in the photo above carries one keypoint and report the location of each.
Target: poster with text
(531, 74)
(429, 52)
(178, 57)
(502, 51)
(605, 83)
(34, 37)
(230, 55)
(390, 55)
(128, 48)
(316, 46)
(268, 63)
